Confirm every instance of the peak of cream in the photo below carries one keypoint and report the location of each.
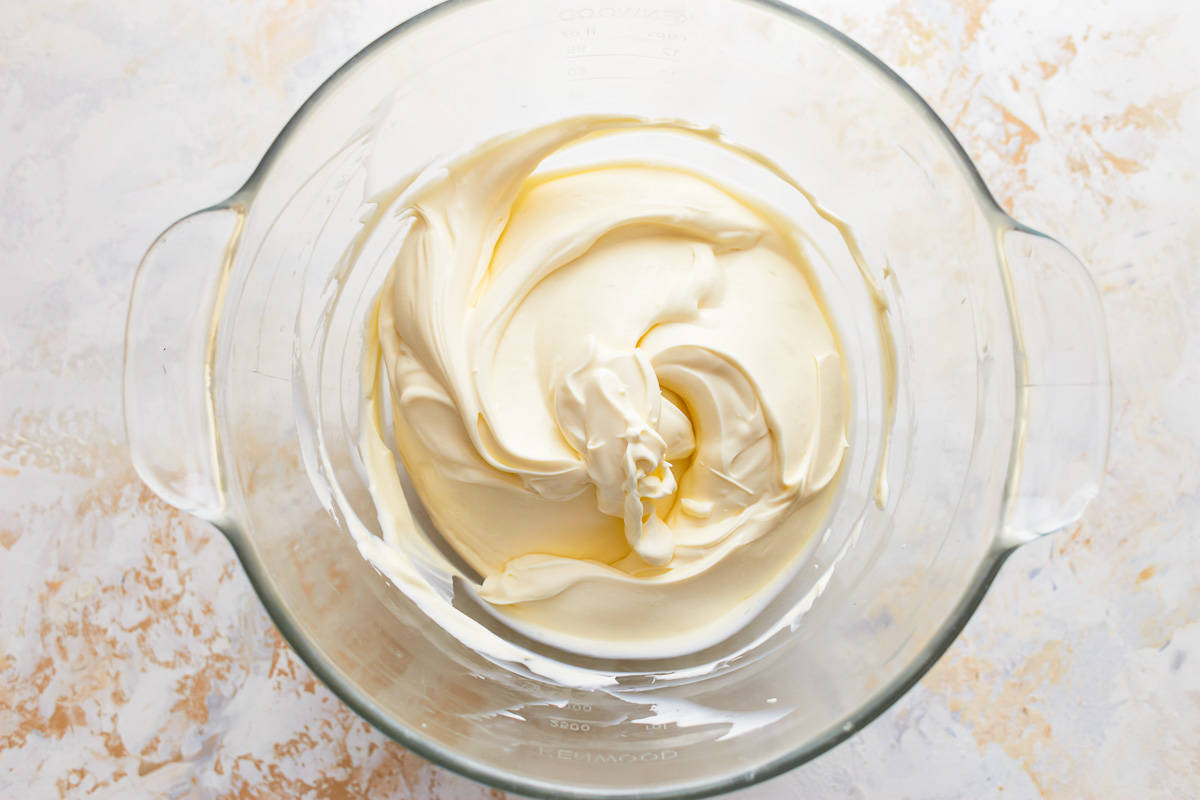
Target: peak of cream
(613, 387)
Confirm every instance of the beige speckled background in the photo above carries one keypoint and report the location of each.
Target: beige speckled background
(135, 660)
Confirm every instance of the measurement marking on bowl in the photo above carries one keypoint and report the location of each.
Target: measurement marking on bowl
(668, 16)
(571, 722)
(668, 54)
(602, 757)
(629, 33)
(572, 725)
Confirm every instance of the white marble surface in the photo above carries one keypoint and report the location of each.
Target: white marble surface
(136, 660)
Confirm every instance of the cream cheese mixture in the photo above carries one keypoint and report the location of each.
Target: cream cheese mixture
(614, 386)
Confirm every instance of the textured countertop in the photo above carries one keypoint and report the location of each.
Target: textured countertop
(136, 661)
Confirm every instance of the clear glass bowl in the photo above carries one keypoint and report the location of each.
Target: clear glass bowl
(242, 368)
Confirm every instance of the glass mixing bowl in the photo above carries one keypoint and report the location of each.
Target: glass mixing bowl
(242, 391)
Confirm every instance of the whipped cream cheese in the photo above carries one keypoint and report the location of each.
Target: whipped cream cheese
(613, 385)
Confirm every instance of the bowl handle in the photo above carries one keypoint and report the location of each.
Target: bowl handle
(170, 340)
(1064, 389)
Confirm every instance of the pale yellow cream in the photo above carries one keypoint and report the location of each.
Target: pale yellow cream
(613, 386)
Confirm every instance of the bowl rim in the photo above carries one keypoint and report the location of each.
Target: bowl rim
(854, 721)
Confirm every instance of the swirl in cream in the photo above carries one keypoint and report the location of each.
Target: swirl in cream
(613, 386)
